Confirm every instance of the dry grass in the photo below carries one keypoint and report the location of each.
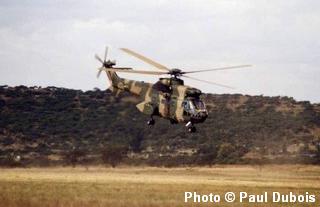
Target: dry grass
(147, 186)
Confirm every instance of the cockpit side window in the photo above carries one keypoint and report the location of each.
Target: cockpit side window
(199, 104)
(188, 106)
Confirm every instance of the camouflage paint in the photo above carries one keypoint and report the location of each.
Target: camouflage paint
(154, 102)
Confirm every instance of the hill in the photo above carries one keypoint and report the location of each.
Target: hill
(54, 126)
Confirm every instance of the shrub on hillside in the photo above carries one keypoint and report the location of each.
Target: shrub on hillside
(113, 154)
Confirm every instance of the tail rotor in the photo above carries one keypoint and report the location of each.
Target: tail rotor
(105, 63)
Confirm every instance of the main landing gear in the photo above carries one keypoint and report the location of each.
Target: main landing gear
(190, 127)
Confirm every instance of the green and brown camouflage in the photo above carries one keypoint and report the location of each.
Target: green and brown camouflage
(169, 97)
(167, 104)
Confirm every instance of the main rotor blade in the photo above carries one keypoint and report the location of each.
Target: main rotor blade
(104, 69)
(215, 69)
(106, 53)
(134, 71)
(145, 59)
(98, 58)
(213, 83)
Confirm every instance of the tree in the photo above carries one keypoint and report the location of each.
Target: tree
(317, 145)
(207, 154)
(75, 156)
(226, 152)
(135, 142)
(114, 154)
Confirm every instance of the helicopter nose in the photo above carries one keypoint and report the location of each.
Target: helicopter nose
(200, 117)
(203, 115)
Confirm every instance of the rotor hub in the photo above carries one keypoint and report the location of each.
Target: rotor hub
(109, 64)
(175, 72)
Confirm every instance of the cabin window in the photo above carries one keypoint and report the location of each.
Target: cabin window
(161, 87)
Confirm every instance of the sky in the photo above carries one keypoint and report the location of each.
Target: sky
(52, 43)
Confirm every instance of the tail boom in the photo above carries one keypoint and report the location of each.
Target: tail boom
(118, 84)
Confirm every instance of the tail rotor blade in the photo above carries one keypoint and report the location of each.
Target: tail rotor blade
(99, 72)
(98, 58)
(106, 54)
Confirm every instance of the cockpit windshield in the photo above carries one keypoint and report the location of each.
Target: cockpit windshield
(193, 105)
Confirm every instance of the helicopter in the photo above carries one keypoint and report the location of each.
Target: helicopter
(168, 98)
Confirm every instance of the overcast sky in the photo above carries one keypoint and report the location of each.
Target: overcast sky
(52, 43)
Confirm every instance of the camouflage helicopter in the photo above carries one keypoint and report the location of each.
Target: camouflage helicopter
(168, 98)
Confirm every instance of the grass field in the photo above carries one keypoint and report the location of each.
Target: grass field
(129, 186)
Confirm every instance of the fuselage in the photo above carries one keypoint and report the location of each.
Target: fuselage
(168, 98)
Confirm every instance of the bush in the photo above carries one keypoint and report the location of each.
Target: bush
(75, 156)
(207, 154)
(113, 154)
(226, 153)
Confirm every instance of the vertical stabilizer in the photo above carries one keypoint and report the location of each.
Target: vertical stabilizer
(113, 78)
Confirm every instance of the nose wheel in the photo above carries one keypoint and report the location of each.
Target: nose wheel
(190, 127)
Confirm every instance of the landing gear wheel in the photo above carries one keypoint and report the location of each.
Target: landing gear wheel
(192, 129)
(151, 122)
